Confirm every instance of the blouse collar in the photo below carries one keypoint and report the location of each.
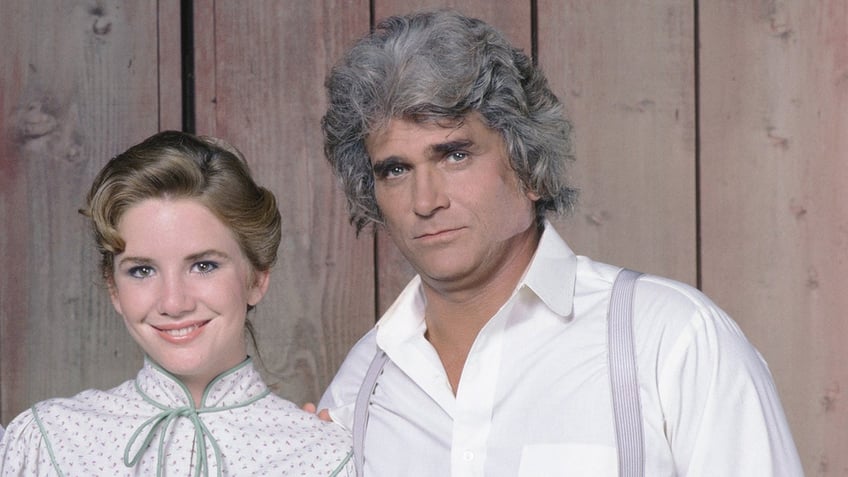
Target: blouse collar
(237, 387)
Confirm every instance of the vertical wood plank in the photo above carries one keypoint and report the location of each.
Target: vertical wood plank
(625, 73)
(169, 65)
(79, 84)
(267, 68)
(513, 19)
(205, 85)
(775, 200)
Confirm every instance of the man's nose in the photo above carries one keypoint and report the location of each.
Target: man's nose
(429, 192)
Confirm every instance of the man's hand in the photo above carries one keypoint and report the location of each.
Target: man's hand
(324, 415)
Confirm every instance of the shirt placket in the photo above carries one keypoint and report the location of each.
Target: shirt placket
(475, 402)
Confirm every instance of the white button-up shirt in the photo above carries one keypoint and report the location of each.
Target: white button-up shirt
(534, 396)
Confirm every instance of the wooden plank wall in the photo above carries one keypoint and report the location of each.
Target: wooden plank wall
(723, 167)
(774, 200)
(260, 77)
(79, 82)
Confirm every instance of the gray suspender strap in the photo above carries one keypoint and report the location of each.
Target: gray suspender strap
(360, 411)
(622, 368)
(625, 389)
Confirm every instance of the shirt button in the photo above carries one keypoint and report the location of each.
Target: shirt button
(468, 456)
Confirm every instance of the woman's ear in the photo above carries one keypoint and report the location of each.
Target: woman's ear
(113, 294)
(261, 280)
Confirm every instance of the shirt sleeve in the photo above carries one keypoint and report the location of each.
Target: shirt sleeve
(721, 408)
(340, 396)
(23, 449)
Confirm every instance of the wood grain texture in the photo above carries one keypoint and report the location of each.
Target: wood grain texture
(79, 84)
(82, 81)
(513, 19)
(625, 73)
(774, 163)
(169, 50)
(268, 65)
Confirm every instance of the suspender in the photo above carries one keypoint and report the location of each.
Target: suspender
(622, 368)
(622, 365)
(360, 411)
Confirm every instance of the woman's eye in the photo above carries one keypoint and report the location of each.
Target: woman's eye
(141, 271)
(205, 267)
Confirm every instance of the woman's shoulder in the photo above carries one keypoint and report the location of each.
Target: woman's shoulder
(32, 435)
(288, 415)
(97, 401)
(299, 439)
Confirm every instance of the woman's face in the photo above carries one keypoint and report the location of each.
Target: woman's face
(183, 285)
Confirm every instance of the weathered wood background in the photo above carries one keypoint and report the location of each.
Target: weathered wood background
(712, 144)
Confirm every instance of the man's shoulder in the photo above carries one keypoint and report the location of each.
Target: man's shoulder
(598, 277)
(349, 377)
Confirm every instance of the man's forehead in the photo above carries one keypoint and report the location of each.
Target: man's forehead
(471, 121)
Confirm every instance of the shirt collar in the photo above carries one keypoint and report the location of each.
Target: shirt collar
(552, 273)
(551, 276)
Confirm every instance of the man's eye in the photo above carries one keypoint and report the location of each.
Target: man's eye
(204, 267)
(395, 170)
(457, 156)
(141, 271)
(387, 171)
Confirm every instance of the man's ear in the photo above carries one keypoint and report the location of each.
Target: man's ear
(532, 196)
(261, 280)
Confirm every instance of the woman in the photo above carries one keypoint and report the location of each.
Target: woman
(187, 241)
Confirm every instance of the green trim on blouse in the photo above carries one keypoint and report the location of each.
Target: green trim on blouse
(163, 420)
(342, 465)
(46, 442)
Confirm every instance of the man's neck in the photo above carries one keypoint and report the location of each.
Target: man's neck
(454, 317)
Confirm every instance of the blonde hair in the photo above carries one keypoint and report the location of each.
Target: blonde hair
(173, 164)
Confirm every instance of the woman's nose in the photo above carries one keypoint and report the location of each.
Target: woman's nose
(175, 297)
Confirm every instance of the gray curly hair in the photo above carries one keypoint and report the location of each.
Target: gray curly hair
(436, 66)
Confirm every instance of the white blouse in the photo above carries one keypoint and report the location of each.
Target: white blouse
(150, 426)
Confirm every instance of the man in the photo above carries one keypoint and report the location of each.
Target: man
(450, 140)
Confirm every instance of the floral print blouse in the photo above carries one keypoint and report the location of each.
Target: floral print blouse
(150, 426)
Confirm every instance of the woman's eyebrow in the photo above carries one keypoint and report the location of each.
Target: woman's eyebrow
(134, 260)
(210, 253)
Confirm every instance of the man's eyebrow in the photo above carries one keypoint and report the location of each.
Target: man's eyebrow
(379, 167)
(450, 146)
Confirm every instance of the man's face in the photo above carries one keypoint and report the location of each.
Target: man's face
(451, 201)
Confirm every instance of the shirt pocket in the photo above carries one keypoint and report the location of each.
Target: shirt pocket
(571, 460)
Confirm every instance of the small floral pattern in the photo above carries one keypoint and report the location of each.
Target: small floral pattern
(244, 429)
